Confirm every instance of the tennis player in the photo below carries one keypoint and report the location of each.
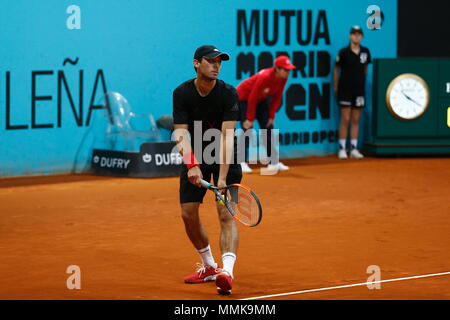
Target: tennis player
(213, 103)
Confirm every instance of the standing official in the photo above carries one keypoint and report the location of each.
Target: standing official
(352, 62)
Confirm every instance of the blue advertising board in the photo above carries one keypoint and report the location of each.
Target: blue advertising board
(59, 57)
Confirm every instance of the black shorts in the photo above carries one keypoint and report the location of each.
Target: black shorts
(191, 193)
(351, 99)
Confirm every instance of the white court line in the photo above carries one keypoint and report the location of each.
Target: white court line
(349, 285)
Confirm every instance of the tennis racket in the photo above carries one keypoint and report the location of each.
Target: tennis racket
(241, 202)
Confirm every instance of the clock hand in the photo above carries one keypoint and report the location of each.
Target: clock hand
(410, 99)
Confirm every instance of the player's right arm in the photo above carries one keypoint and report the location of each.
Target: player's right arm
(183, 138)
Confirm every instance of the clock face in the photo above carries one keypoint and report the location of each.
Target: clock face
(407, 96)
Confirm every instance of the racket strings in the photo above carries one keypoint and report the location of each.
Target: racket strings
(244, 204)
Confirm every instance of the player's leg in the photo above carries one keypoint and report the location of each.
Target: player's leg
(229, 241)
(193, 226)
(229, 232)
(190, 198)
(229, 237)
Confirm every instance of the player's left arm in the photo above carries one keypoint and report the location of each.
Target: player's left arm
(226, 151)
(230, 117)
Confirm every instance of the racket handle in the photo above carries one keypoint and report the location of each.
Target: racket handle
(205, 184)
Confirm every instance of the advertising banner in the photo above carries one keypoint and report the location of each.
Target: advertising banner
(59, 58)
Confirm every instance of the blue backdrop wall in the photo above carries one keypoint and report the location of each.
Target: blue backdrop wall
(58, 57)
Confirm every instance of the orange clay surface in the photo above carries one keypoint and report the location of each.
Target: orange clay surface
(324, 222)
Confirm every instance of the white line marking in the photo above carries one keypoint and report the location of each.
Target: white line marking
(349, 285)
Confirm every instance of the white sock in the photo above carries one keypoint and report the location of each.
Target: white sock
(228, 258)
(342, 143)
(207, 256)
(354, 143)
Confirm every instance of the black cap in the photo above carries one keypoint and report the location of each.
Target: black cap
(356, 29)
(208, 51)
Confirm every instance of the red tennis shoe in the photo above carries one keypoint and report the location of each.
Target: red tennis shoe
(203, 274)
(224, 283)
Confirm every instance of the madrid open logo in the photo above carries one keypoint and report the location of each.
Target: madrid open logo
(147, 158)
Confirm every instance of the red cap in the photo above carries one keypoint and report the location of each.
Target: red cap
(284, 62)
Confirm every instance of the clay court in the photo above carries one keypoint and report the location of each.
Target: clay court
(324, 222)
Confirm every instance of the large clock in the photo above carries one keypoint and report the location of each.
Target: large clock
(407, 97)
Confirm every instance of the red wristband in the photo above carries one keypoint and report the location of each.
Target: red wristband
(190, 160)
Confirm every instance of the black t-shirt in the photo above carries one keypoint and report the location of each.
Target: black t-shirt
(220, 105)
(353, 66)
